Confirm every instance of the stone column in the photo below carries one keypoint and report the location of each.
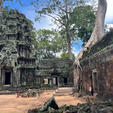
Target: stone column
(58, 80)
(50, 82)
(18, 78)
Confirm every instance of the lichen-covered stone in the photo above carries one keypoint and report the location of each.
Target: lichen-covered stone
(97, 69)
(55, 68)
(15, 35)
(29, 93)
(102, 107)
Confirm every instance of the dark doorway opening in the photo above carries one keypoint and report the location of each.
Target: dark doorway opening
(65, 80)
(56, 80)
(95, 81)
(7, 78)
(91, 89)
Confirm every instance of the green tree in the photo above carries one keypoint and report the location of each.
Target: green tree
(65, 55)
(59, 10)
(48, 43)
(97, 35)
(82, 20)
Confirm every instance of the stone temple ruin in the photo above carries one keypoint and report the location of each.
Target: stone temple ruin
(97, 68)
(16, 56)
(18, 65)
(54, 72)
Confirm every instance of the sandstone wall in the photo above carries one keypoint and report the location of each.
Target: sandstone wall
(97, 69)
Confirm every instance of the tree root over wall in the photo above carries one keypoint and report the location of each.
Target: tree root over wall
(96, 36)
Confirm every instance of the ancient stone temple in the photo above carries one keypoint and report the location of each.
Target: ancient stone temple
(17, 64)
(18, 67)
(54, 72)
(97, 68)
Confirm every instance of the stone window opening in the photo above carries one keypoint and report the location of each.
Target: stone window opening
(37, 68)
(15, 63)
(19, 36)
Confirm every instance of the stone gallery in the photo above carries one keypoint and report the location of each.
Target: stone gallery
(18, 65)
(96, 71)
(55, 72)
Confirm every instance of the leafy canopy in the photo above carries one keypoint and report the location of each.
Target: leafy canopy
(48, 43)
(82, 18)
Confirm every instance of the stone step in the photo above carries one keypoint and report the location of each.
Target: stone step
(7, 92)
(62, 94)
(63, 91)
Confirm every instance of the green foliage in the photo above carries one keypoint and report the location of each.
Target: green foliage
(82, 19)
(48, 43)
(59, 11)
(74, 18)
(64, 55)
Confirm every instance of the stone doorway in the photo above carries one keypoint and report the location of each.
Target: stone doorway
(7, 78)
(95, 81)
(56, 81)
(65, 80)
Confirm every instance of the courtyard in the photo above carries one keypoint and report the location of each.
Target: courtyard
(12, 104)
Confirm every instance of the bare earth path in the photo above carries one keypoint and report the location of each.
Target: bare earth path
(11, 104)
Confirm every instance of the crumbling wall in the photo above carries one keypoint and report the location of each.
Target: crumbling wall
(55, 70)
(97, 68)
(16, 51)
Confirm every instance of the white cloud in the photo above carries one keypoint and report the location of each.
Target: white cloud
(59, 54)
(75, 51)
(44, 23)
(109, 14)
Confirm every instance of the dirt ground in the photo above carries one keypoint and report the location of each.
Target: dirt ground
(11, 104)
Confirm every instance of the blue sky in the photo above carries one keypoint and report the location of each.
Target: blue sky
(27, 9)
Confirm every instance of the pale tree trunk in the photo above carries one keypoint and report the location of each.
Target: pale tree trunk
(1, 10)
(68, 43)
(98, 31)
(69, 48)
(67, 26)
(97, 35)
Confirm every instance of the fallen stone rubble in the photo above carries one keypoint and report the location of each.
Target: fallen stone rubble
(51, 107)
(30, 93)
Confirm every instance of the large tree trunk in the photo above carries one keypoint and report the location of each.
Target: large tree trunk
(98, 31)
(97, 35)
(68, 43)
(1, 10)
(67, 26)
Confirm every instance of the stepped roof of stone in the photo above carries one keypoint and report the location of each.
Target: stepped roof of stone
(15, 23)
(49, 67)
(54, 63)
